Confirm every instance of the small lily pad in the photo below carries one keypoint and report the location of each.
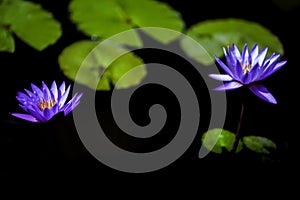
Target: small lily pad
(259, 144)
(109, 61)
(217, 139)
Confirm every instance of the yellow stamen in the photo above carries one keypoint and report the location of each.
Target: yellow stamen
(46, 104)
(247, 68)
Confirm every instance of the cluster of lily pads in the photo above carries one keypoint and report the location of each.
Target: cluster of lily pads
(38, 28)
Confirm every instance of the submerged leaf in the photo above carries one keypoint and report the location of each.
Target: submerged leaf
(106, 18)
(31, 23)
(287, 5)
(108, 61)
(215, 34)
(258, 144)
(217, 139)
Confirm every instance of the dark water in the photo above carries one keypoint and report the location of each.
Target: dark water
(55, 148)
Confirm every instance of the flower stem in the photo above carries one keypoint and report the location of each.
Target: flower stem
(238, 131)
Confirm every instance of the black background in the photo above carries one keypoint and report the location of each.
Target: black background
(55, 149)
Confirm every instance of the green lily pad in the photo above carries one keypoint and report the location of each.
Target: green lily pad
(7, 42)
(217, 139)
(30, 22)
(106, 18)
(259, 144)
(109, 60)
(215, 34)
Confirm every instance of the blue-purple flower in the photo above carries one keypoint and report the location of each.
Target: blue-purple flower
(43, 103)
(247, 69)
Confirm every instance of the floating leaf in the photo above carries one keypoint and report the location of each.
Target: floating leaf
(216, 139)
(106, 18)
(258, 144)
(6, 41)
(108, 58)
(30, 22)
(215, 34)
(154, 14)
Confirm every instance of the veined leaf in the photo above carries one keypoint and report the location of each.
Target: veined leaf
(217, 139)
(110, 61)
(106, 18)
(215, 34)
(259, 144)
(30, 22)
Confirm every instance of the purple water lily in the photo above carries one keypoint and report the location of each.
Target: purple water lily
(247, 68)
(42, 104)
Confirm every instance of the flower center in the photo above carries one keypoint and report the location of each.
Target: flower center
(46, 104)
(247, 68)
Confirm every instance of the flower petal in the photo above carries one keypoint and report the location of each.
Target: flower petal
(46, 91)
(268, 62)
(221, 77)
(254, 52)
(236, 52)
(226, 56)
(64, 97)
(266, 72)
(22, 98)
(30, 94)
(246, 78)
(35, 111)
(253, 74)
(25, 117)
(245, 56)
(24, 107)
(72, 103)
(233, 65)
(76, 97)
(223, 66)
(239, 72)
(62, 87)
(261, 56)
(70, 106)
(262, 92)
(279, 65)
(53, 90)
(37, 91)
(55, 109)
(230, 59)
(272, 69)
(74, 100)
(229, 86)
(48, 114)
